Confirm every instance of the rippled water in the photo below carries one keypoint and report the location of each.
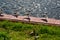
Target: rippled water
(36, 7)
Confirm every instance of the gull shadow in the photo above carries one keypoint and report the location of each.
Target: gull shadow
(45, 20)
(1, 15)
(15, 16)
(28, 19)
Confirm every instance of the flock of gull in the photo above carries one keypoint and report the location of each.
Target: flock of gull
(35, 7)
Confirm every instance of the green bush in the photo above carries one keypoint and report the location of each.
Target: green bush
(4, 36)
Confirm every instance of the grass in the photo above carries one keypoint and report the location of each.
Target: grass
(21, 31)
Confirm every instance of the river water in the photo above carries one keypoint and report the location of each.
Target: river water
(35, 7)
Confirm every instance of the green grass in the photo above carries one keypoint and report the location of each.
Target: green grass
(20, 31)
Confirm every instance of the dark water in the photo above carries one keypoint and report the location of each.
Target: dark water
(36, 7)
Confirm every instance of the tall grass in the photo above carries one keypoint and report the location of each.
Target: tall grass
(21, 31)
